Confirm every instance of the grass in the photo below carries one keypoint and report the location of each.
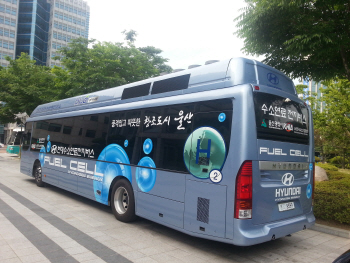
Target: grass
(346, 171)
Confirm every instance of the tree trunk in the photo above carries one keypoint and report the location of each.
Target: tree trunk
(345, 63)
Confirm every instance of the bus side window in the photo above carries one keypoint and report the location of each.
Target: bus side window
(124, 130)
(87, 134)
(168, 128)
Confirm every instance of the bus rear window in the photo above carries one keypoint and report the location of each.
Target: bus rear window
(281, 119)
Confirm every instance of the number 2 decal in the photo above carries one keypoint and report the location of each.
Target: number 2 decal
(215, 176)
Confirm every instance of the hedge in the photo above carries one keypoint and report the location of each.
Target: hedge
(327, 166)
(336, 175)
(338, 160)
(332, 198)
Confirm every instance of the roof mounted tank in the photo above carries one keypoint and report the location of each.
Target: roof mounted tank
(193, 66)
(177, 70)
(210, 62)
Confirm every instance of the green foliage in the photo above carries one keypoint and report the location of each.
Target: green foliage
(300, 89)
(91, 66)
(327, 167)
(332, 198)
(300, 38)
(130, 35)
(88, 66)
(332, 125)
(317, 159)
(23, 86)
(338, 160)
(336, 175)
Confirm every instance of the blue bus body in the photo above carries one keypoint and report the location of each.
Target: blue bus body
(223, 151)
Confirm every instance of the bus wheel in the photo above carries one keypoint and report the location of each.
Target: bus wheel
(38, 176)
(123, 201)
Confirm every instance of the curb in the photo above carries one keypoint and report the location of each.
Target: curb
(331, 230)
(9, 156)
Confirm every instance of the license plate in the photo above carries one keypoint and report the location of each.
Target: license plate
(286, 206)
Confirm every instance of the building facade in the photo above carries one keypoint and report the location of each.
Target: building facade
(314, 89)
(8, 29)
(69, 19)
(33, 29)
(40, 27)
(9, 129)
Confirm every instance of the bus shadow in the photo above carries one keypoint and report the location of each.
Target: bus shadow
(76, 197)
(221, 251)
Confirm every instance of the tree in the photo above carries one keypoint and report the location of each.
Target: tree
(23, 86)
(105, 65)
(88, 66)
(153, 56)
(130, 35)
(300, 89)
(333, 124)
(301, 38)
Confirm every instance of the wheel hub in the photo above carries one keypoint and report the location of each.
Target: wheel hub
(121, 200)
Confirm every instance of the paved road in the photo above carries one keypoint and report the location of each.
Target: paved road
(52, 225)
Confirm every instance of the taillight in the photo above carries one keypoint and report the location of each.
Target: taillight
(244, 191)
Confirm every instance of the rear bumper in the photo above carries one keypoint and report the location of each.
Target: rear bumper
(246, 234)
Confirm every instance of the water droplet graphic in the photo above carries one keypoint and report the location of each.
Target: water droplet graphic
(48, 147)
(145, 177)
(119, 166)
(309, 191)
(42, 155)
(210, 155)
(222, 117)
(147, 146)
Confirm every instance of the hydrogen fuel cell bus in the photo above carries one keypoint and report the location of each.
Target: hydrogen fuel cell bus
(224, 151)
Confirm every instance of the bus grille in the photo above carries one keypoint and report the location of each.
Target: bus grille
(203, 210)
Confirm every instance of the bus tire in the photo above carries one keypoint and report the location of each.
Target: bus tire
(38, 175)
(123, 201)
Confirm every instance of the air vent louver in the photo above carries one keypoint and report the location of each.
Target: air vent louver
(137, 91)
(171, 84)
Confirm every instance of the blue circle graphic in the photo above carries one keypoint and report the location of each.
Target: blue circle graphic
(222, 117)
(48, 137)
(145, 177)
(42, 155)
(147, 146)
(309, 191)
(117, 164)
(126, 143)
(311, 166)
(48, 147)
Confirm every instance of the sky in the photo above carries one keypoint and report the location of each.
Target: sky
(189, 32)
